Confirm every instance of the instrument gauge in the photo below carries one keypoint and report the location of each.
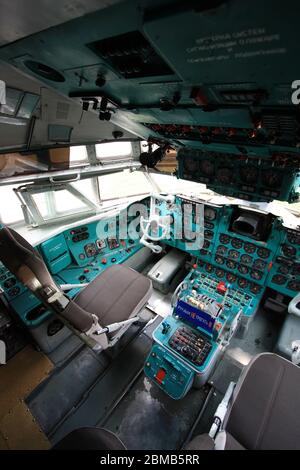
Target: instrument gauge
(243, 283)
(230, 277)
(249, 248)
(246, 259)
(209, 213)
(208, 234)
(243, 269)
(294, 285)
(233, 254)
(296, 269)
(220, 273)
(236, 243)
(272, 178)
(10, 283)
(294, 238)
(190, 164)
(207, 167)
(221, 250)
(257, 275)
(209, 268)
(255, 288)
(231, 264)
(219, 259)
(224, 175)
(263, 252)
(259, 264)
(279, 279)
(284, 269)
(224, 239)
(288, 250)
(249, 174)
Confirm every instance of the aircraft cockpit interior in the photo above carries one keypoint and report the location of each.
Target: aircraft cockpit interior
(149, 226)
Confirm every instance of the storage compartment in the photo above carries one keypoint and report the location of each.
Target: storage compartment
(167, 269)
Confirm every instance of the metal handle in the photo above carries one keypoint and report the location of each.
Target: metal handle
(70, 180)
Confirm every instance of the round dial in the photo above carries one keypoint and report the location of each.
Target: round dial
(288, 250)
(209, 213)
(221, 250)
(294, 285)
(296, 269)
(279, 279)
(257, 275)
(209, 268)
(242, 283)
(236, 243)
(190, 164)
(249, 174)
(263, 252)
(284, 269)
(206, 244)
(224, 175)
(259, 264)
(230, 277)
(10, 283)
(219, 259)
(208, 234)
(207, 167)
(255, 288)
(243, 269)
(233, 254)
(231, 264)
(249, 248)
(225, 239)
(294, 237)
(246, 259)
(219, 272)
(272, 178)
(14, 291)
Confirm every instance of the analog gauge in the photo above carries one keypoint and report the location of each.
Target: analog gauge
(236, 243)
(224, 239)
(294, 285)
(220, 273)
(231, 264)
(249, 174)
(230, 277)
(206, 244)
(221, 250)
(263, 252)
(208, 225)
(255, 288)
(219, 259)
(224, 175)
(10, 283)
(14, 291)
(209, 268)
(257, 275)
(296, 269)
(207, 167)
(272, 178)
(208, 234)
(288, 250)
(243, 269)
(259, 264)
(233, 254)
(190, 164)
(249, 248)
(284, 269)
(279, 279)
(246, 259)
(294, 237)
(243, 283)
(209, 213)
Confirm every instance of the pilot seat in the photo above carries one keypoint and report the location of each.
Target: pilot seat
(103, 309)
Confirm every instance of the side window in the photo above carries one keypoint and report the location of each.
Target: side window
(10, 206)
(78, 155)
(113, 151)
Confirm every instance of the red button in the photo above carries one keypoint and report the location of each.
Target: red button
(104, 261)
(86, 270)
(160, 375)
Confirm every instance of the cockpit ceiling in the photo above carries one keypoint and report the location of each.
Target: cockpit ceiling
(211, 75)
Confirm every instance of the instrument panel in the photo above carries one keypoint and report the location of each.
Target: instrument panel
(246, 248)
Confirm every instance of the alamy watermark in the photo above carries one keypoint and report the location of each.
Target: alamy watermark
(2, 353)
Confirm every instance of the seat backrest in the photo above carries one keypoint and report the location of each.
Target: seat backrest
(265, 412)
(27, 265)
(22, 260)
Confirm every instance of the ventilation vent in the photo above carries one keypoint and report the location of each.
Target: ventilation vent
(283, 123)
(62, 110)
(131, 55)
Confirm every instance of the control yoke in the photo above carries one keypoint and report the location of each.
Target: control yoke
(155, 223)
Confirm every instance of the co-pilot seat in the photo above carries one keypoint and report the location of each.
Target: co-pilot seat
(112, 299)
